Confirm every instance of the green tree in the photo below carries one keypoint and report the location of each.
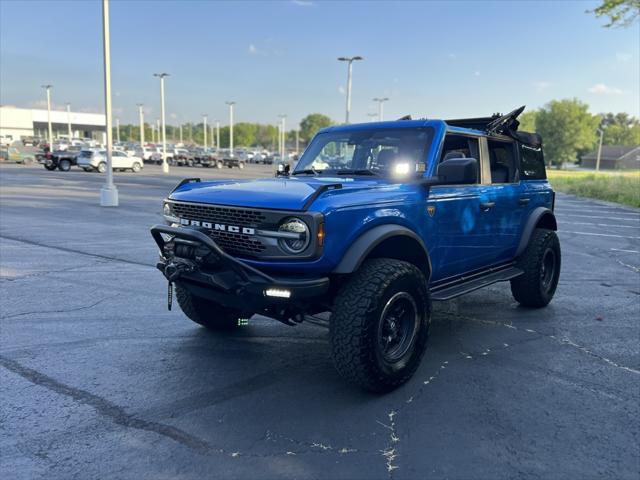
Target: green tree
(620, 129)
(567, 129)
(528, 121)
(311, 124)
(621, 13)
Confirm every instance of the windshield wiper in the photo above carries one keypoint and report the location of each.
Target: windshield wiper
(362, 171)
(306, 171)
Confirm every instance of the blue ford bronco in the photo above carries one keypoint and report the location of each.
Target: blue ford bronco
(374, 223)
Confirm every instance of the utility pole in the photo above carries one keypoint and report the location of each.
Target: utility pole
(165, 165)
(204, 129)
(349, 61)
(108, 193)
(212, 137)
(118, 129)
(380, 107)
(141, 119)
(69, 120)
(231, 104)
(181, 133)
(48, 89)
(601, 130)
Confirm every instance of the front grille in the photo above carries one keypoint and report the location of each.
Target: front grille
(214, 214)
(232, 243)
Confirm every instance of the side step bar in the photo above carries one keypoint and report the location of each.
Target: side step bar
(469, 284)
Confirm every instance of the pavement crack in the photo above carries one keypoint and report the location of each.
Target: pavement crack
(64, 310)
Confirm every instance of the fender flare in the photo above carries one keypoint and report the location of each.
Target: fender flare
(534, 219)
(365, 243)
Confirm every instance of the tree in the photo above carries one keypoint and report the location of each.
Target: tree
(528, 121)
(620, 129)
(567, 129)
(621, 13)
(312, 123)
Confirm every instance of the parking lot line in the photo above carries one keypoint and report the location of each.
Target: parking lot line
(623, 250)
(601, 234)
(601, 224)
(595, 216)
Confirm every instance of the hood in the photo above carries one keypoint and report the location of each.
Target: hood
(275, 193)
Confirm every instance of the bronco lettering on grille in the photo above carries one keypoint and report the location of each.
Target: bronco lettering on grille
(218, 226)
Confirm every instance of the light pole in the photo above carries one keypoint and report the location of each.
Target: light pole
(204, 129)
(180, 132)
(108, 193)
(48, 89)
(69, 120)
(231, 104)
(217, 134)
(165, 165)
(380, 107)
(118, 129)
(282, 136)
(601, 131)
(212, 138)
(141, 119)
(297, 141)
(349, 61)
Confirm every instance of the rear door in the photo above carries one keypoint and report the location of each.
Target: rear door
(509, 198)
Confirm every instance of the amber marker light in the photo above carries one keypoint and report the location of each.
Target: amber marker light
(320, 235)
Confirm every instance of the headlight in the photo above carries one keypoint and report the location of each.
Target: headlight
(166, 210)
(299, 241)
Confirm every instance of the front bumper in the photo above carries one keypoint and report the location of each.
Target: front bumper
(189, 256)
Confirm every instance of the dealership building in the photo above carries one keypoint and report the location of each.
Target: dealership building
(30, 122)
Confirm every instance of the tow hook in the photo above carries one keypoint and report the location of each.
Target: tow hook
(174, 270)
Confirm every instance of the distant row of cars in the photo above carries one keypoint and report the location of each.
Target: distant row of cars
(89, 159)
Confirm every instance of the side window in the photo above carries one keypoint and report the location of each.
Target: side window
(502, 160)
(460, 146)
(532, 163)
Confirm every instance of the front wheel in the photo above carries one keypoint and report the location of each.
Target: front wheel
(541, 264)
(64, 165)
(240, 165)
(219, 165)
(102, 167)
(206, 312)
(380, 324)
(136, 167)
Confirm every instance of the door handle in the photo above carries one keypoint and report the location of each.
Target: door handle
(487, 206)
(523, 201)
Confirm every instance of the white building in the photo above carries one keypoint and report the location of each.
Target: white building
(28, 122)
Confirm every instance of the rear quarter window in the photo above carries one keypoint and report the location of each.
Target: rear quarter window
(532, 163)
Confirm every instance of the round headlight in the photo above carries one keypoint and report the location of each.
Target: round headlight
(166, 209)
(300, 241)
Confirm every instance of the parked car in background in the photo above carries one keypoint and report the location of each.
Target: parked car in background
(96, 160)
(13, 154)
(62, 160)
(30, 141)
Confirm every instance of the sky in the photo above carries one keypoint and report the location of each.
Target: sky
(432, 59)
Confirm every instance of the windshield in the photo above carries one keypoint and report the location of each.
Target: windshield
(367, 152)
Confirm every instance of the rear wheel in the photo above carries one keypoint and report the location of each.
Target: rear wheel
(380, 324)
(102, 167)
(240, 165)
(64, 165)
(541, 264)
(219, 164)
(207, 313)
(136, 167)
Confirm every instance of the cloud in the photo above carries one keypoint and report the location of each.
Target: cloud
(602, 89)
(541, 85)
(303, 3)
(252, 49)
(623, 56)
(342, 90)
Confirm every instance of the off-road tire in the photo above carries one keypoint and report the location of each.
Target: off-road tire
(357, 317)
(205, 312)
(530, 289)
(64, 165)
(102, 167)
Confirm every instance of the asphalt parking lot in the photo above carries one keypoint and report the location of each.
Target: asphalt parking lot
(100, 380)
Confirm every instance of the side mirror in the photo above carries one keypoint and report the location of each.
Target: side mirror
(458, 171)
(283, 170)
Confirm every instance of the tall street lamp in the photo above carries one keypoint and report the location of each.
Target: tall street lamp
(181, 132)
(217, 134)
(601, 132)
(48, 89)
(108, 193)
(282, 136)
(204, 129)
(69, 120)
(349, 61)
(165, 165)
(231, 104)
(118, 129)
(141, 120)
(380, 107)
